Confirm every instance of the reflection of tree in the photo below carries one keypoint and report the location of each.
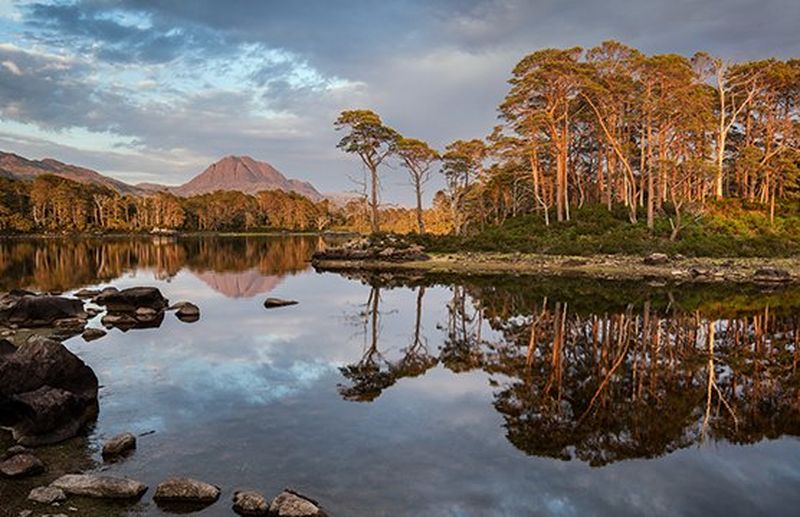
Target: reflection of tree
(461, 348)
(606, 382)
(373, 373)
(64, 264)
(370, 375)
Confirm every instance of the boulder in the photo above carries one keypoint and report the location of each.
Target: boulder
(104, 487)
(30, 311)
(92, 333)
(291, 504)
(86, 293)
(47, 495)
(128, 300)
(21, 465)
(656, 259)
(771, 274)
(186, 490)
(247, 502)
(119, 445)
(186, 311)
(271, 303)
(47, 394)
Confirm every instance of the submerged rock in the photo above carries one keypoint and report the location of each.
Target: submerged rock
(119, 445)
(291, 504)
(47, 393)
(105, 487)
(21, 465)
(186, 490)
(247, 502)
(91, 334)
(47, 495)
(271, 303)
(131, 299)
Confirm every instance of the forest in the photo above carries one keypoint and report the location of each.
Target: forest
(657, 140)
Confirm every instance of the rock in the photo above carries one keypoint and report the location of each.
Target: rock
(47, 495)
(145, 313)
(119, 445)
(271, 303)
(118, 320)
(92, 333)
(186, 311)
(186, 490)
(247, 502)
(21, 465)
(128, 300)
(91, 312)
(86, 293)
(25, 513)
(656, 259)
(771, 274)
(16, 449)
(291, 504)
(30, 311)
(105, 487)
(47, 393)
(7, 347)
(76, 324)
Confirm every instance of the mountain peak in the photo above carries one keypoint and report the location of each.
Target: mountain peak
(245, 174)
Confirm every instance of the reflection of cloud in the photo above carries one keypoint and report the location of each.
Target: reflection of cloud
(241, 284)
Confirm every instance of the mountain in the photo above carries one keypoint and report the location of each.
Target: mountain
(16, 167)
(246, 175)
(240, 173)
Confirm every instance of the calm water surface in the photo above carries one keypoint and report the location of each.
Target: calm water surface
(438, 395)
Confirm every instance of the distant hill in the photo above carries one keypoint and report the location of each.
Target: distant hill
(246, 175)
(240, 173)
(16, 167)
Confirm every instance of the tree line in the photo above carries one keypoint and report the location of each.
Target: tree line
(55, 204)
(655, 134)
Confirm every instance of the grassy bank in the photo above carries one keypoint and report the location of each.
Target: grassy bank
(728, 229)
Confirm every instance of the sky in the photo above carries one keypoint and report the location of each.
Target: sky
(147, 90)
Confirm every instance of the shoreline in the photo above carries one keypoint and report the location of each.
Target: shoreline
(606, 267)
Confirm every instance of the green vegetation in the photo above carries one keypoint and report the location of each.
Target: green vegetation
(724, 229)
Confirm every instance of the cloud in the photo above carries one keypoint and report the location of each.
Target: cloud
(181, 83)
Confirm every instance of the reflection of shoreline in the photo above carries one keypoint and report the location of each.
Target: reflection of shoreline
(240, 284)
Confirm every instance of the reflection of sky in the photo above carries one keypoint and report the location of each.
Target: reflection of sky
(246, 398)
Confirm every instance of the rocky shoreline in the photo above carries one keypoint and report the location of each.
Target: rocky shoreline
(400, 257)
(49, 397)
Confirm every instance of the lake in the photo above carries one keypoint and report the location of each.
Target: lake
(435, 395)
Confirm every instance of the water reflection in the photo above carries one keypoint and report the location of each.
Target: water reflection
(603, 382)
(235, 267)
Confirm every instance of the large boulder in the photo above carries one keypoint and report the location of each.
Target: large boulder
(28, 310)
(47, 394)
(104, 487)
(131, 299)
